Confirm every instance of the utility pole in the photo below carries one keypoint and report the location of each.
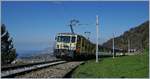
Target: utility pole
(97, 24)
(141, 44)
(128, 45)
(113, 46)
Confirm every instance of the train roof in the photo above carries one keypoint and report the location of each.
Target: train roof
(71, 34)
(67, 34)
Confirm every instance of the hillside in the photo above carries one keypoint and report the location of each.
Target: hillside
(138, 36)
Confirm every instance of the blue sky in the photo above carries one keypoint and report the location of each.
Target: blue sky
(33, 24)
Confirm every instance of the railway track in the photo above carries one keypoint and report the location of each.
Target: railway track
(12, 71)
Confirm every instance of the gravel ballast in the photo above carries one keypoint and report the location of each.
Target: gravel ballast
(57, 71)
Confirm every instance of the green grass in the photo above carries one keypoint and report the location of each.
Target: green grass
(136, 66)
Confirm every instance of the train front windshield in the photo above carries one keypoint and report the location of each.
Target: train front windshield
(66, 39)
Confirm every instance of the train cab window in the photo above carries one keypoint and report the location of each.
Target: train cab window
(58, 39)
(73, 39)
(65, 39)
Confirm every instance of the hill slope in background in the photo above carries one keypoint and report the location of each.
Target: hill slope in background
(138, 36)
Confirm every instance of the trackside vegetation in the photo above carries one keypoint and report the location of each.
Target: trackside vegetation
(135, 66)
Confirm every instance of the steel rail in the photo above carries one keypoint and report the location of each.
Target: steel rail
(13, 72)
(4, 68)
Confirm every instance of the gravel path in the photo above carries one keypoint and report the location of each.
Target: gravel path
(57, 71)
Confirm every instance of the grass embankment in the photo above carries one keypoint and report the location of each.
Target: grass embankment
(136, 66)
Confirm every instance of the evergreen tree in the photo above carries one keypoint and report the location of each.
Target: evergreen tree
(8, 52)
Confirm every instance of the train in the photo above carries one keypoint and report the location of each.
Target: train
(75, 46)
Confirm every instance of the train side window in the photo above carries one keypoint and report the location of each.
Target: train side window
(78, 40)
(73, 39)
(83, 41)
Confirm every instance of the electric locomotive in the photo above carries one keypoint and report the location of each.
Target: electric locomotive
(70, 45)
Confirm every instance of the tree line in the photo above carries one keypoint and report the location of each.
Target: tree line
(8, 51)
